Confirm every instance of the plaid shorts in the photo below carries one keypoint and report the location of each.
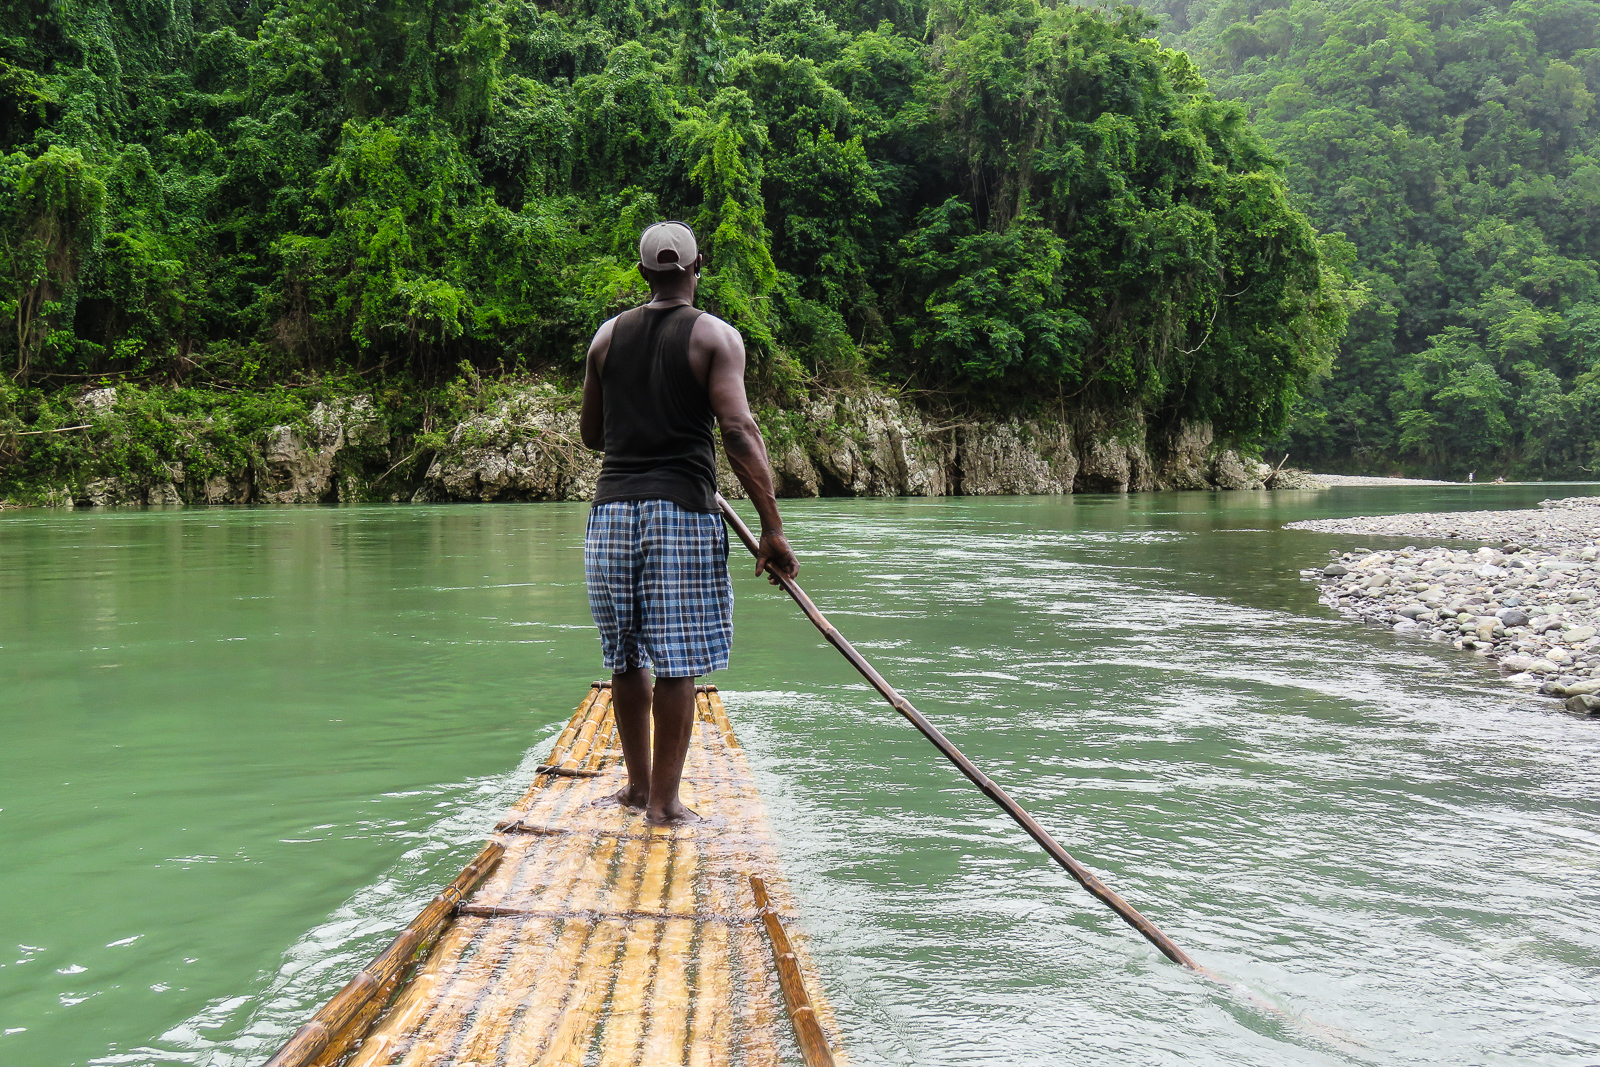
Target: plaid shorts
(659, 588)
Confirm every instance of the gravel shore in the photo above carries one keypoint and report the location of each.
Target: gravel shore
(1367, 479)
(1530, 602)
(1555, 523)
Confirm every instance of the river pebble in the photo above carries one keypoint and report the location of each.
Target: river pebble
(1533, 610)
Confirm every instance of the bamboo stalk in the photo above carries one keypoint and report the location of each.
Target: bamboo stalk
(570, 1043)
(578, 751)
(708, 1027)
(1085, 877)
(596, 981)
(333, 1018)
(719, 715)
(455, 1012)
(668, 1024)
(398, 1030)
(747, 1008)
(624, 1021)
(415, 1001)
(570, 731)
(496, 911)
(460, 996)
(807, 1031)
(604, 739)
(591, 970)
(529, 967)
(753, 1026)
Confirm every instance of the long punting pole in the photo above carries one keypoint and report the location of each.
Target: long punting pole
(1084, 876)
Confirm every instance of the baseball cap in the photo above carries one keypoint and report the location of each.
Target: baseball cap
(667, 246)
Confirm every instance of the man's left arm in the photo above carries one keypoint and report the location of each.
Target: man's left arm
(592, 416)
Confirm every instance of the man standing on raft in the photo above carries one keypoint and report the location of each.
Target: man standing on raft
(656, 553)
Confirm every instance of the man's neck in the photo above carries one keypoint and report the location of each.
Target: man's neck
(671, 298)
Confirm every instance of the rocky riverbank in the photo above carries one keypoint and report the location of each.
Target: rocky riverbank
(1572, 521)
(1530, 601)
(519, 442)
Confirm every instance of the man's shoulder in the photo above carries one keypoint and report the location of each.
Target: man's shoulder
(713, 330)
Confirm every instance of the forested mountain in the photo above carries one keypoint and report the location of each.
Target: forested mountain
(1454, 142)
(996, 200)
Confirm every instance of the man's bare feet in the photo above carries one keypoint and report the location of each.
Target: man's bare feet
(626, 797)
(675, 813)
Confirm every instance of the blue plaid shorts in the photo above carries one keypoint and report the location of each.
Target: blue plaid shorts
(659, 588)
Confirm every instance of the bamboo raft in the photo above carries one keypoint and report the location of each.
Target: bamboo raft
(580, 935)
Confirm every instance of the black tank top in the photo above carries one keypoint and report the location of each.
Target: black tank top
(657, 416)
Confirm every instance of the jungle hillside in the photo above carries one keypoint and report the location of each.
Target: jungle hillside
(1454, 144)
(230, 212)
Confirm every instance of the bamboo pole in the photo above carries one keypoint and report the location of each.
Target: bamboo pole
(807, 1031)
(505, 948)
(312, 1039)
(423, 996)
(566, 772)
(597, 974)
(1085, 877)
(624, 1022)
(667, 1028)
(578, 751)
(748, 1009)
(582, 946)
(415, 1001)
(708, 1026)
(529, 966)
(565, 737)
(456, 1003)
(603, 742)
(619, 1042)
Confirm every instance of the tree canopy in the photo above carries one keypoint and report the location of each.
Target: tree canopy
(1456, 144)
(1004, 198)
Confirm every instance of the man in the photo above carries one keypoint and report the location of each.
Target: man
(656, 552)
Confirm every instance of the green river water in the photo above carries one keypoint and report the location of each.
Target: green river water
(239, 747)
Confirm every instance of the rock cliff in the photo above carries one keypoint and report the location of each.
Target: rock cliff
(525, 446)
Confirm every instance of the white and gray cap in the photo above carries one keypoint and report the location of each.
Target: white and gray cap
(667, 246)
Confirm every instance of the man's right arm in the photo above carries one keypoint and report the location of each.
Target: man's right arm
(741, 440)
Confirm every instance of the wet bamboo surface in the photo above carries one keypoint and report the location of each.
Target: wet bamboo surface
(601, 941)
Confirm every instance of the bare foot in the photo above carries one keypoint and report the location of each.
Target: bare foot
(626, 797)
(674, 814)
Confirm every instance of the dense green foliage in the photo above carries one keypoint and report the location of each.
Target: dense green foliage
(994, 197)
(1456, 143)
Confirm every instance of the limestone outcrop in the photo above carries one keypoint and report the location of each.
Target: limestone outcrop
(299, 467)
(526, 448)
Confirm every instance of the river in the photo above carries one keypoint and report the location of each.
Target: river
(240, 747)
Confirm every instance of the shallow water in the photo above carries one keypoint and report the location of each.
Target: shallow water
(240, 747)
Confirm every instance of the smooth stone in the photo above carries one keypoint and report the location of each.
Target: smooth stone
(1578, 633)
(1336, 570)
(1510, 617)
(1411, 611)
(1584, 704)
